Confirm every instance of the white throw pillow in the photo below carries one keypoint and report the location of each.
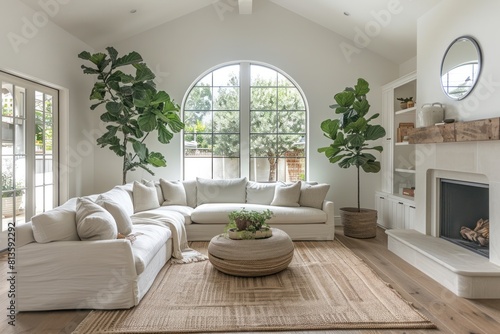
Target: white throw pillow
(260, 193)
(93, 222)
(122, 219)
(145, 197)
(313, 195)
(221, 191)
(190, 188)
(58, 224)
(287, 195)
(123, 196)
(173, 192)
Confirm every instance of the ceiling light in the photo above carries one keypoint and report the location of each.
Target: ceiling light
(133, 11)
(347, 14)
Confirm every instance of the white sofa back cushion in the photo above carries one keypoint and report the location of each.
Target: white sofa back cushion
(121, 195)
(58, 224)
(93, 222)
(145, 197)
(260, 193)
(313, 195)
(287, 195)
(120, 215)
(221, 191)
(173, 192)
(190, 188)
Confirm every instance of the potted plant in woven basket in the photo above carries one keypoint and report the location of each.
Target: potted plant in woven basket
(350, 134)
(249, 224)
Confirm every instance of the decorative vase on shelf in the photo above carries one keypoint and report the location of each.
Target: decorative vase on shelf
(403, 105)
(410, 104)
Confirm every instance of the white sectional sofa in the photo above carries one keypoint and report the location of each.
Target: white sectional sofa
(70, 257)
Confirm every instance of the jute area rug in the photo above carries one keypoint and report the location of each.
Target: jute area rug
(326, 286)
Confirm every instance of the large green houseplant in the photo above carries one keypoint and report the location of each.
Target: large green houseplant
(134, 108)
(350, 134)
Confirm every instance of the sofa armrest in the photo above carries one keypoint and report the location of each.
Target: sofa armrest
(328, 207)
(76, 275)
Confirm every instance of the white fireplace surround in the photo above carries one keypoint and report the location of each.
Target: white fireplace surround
(464, 272)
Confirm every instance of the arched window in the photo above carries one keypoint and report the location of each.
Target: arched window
(245, 119)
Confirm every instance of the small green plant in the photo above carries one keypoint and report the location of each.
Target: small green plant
(405, 99)
(248, 220)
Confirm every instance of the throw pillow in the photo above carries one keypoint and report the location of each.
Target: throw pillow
(145, 197)
(122, 219)
(123, 195)
(159, 192)
(173, 192)
(314, 195)
(260, 193)
(190, 188)
(93, 222)
(287, 195)
(221, 191)
(58, 224)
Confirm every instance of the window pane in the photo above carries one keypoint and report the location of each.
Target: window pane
(200, 98)
(7, 99)
(202, 146)
(290, 99)
(263, 121)
(227, 121)
(259, 169)
(205, 81)
(263, 145)
(226, 98)
(295, 169)
(227, 145)
(292, 121)
(288, 143)
(284, 82)
(48, 196)
(227, 76)
(263, 99)
(226, 168)
(198, 121)
(197, 167)
(263, 76)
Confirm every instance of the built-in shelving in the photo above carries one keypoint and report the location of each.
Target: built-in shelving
(406, 111)
(404, 170)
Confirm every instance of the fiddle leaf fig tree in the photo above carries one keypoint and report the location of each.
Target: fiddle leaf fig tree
(351, 132)
(134, 108)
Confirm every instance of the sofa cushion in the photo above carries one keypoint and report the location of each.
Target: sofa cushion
(221, 191)
(313, 195)
(190, 188)
(58, 224)
(145, 197)
(217, 213)
(149, 239)
(287, 195)
(260, 193)
(184, 210)
(120, 215)
(173, 192)
(93, 222)
(123, 196)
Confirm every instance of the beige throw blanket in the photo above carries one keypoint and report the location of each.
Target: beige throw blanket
(175, 222)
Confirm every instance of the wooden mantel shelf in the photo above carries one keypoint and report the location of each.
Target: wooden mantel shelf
(484, 129)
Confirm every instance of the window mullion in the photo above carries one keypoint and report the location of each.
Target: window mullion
(245, 119)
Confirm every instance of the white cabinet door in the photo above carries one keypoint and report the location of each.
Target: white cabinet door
(410, 213)
(398, 214)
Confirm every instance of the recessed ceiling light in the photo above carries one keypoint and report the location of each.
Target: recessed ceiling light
(347, 14)
(133, 11)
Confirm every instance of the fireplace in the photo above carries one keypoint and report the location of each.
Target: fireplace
(464, 213)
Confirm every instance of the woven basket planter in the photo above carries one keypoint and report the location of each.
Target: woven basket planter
(360, 225)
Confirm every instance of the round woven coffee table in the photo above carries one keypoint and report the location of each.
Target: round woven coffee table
(251, 258)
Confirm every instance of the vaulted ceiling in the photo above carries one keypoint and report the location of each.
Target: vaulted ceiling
(389, 25)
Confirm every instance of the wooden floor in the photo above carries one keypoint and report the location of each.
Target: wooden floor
(451, 314)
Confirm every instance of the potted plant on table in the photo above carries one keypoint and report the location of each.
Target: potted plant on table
(249, 224)
(406, 102)
(350, 135)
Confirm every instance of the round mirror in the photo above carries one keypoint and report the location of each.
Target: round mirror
(460, 67)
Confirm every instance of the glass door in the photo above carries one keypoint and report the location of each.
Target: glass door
(29, 151)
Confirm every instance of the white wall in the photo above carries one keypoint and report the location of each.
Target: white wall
(436, 30)
(38, 50)
(310, 54)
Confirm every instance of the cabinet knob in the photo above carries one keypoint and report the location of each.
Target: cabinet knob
(400, 203)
